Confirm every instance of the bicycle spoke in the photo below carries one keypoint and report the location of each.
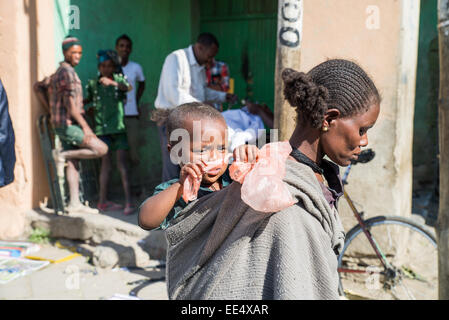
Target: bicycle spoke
(393, 292)
(408, 292)
(411, 258)
(348, 270)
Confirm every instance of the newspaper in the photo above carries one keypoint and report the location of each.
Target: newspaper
(17, 248)
(12, 268)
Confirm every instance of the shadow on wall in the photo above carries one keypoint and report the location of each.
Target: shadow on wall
(38, 172)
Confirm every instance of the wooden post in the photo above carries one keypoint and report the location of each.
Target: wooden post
(443, 127)
(289, 38)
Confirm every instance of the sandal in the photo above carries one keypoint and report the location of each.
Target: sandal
(129, 209)
(109, 206)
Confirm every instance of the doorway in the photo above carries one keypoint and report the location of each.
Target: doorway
(246, 31)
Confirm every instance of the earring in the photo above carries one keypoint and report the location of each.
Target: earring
(325, 129)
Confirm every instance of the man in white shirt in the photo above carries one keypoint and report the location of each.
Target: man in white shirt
(183, 80)
(134, 74)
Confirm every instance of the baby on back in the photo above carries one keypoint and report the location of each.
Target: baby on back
(197, 135)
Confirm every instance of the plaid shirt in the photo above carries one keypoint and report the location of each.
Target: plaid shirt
(64, 84)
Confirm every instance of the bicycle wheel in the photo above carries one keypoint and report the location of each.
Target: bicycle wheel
(410, 251)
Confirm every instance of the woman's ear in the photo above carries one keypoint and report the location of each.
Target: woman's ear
(330, 116)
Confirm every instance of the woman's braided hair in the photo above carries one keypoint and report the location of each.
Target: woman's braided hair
(336, 83)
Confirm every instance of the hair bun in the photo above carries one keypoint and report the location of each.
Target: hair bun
(301, 92)
(289, 76)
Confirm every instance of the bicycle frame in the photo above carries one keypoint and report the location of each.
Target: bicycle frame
(366, 231)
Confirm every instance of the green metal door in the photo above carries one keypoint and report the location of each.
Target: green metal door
(246, 31)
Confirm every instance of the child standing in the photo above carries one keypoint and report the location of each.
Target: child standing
(106, 96)
(209, 147)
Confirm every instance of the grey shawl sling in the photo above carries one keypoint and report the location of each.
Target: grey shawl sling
(220, 248)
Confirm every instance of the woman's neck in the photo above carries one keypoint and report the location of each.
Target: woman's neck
(306, 139)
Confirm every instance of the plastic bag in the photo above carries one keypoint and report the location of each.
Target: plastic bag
(263, 188)
(239, 170)
(192, 185)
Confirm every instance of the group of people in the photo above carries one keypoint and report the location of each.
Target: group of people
(218, 246)
(111, 102)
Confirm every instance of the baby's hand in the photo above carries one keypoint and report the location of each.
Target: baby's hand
(107, 82)
(246, 153)
(193, 169)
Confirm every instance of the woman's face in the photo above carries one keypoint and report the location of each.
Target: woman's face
(346, 136)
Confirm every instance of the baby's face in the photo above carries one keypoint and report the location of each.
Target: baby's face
(210, 146)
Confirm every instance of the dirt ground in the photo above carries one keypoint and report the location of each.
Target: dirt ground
(77, 279)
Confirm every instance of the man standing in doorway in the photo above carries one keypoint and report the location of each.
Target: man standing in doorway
(134, 74)
(66, 111)
(183, 80)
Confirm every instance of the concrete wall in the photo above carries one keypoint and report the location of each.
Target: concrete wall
(26, 34)
(382, 37)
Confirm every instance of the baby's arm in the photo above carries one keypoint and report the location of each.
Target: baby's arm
(155, 209)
